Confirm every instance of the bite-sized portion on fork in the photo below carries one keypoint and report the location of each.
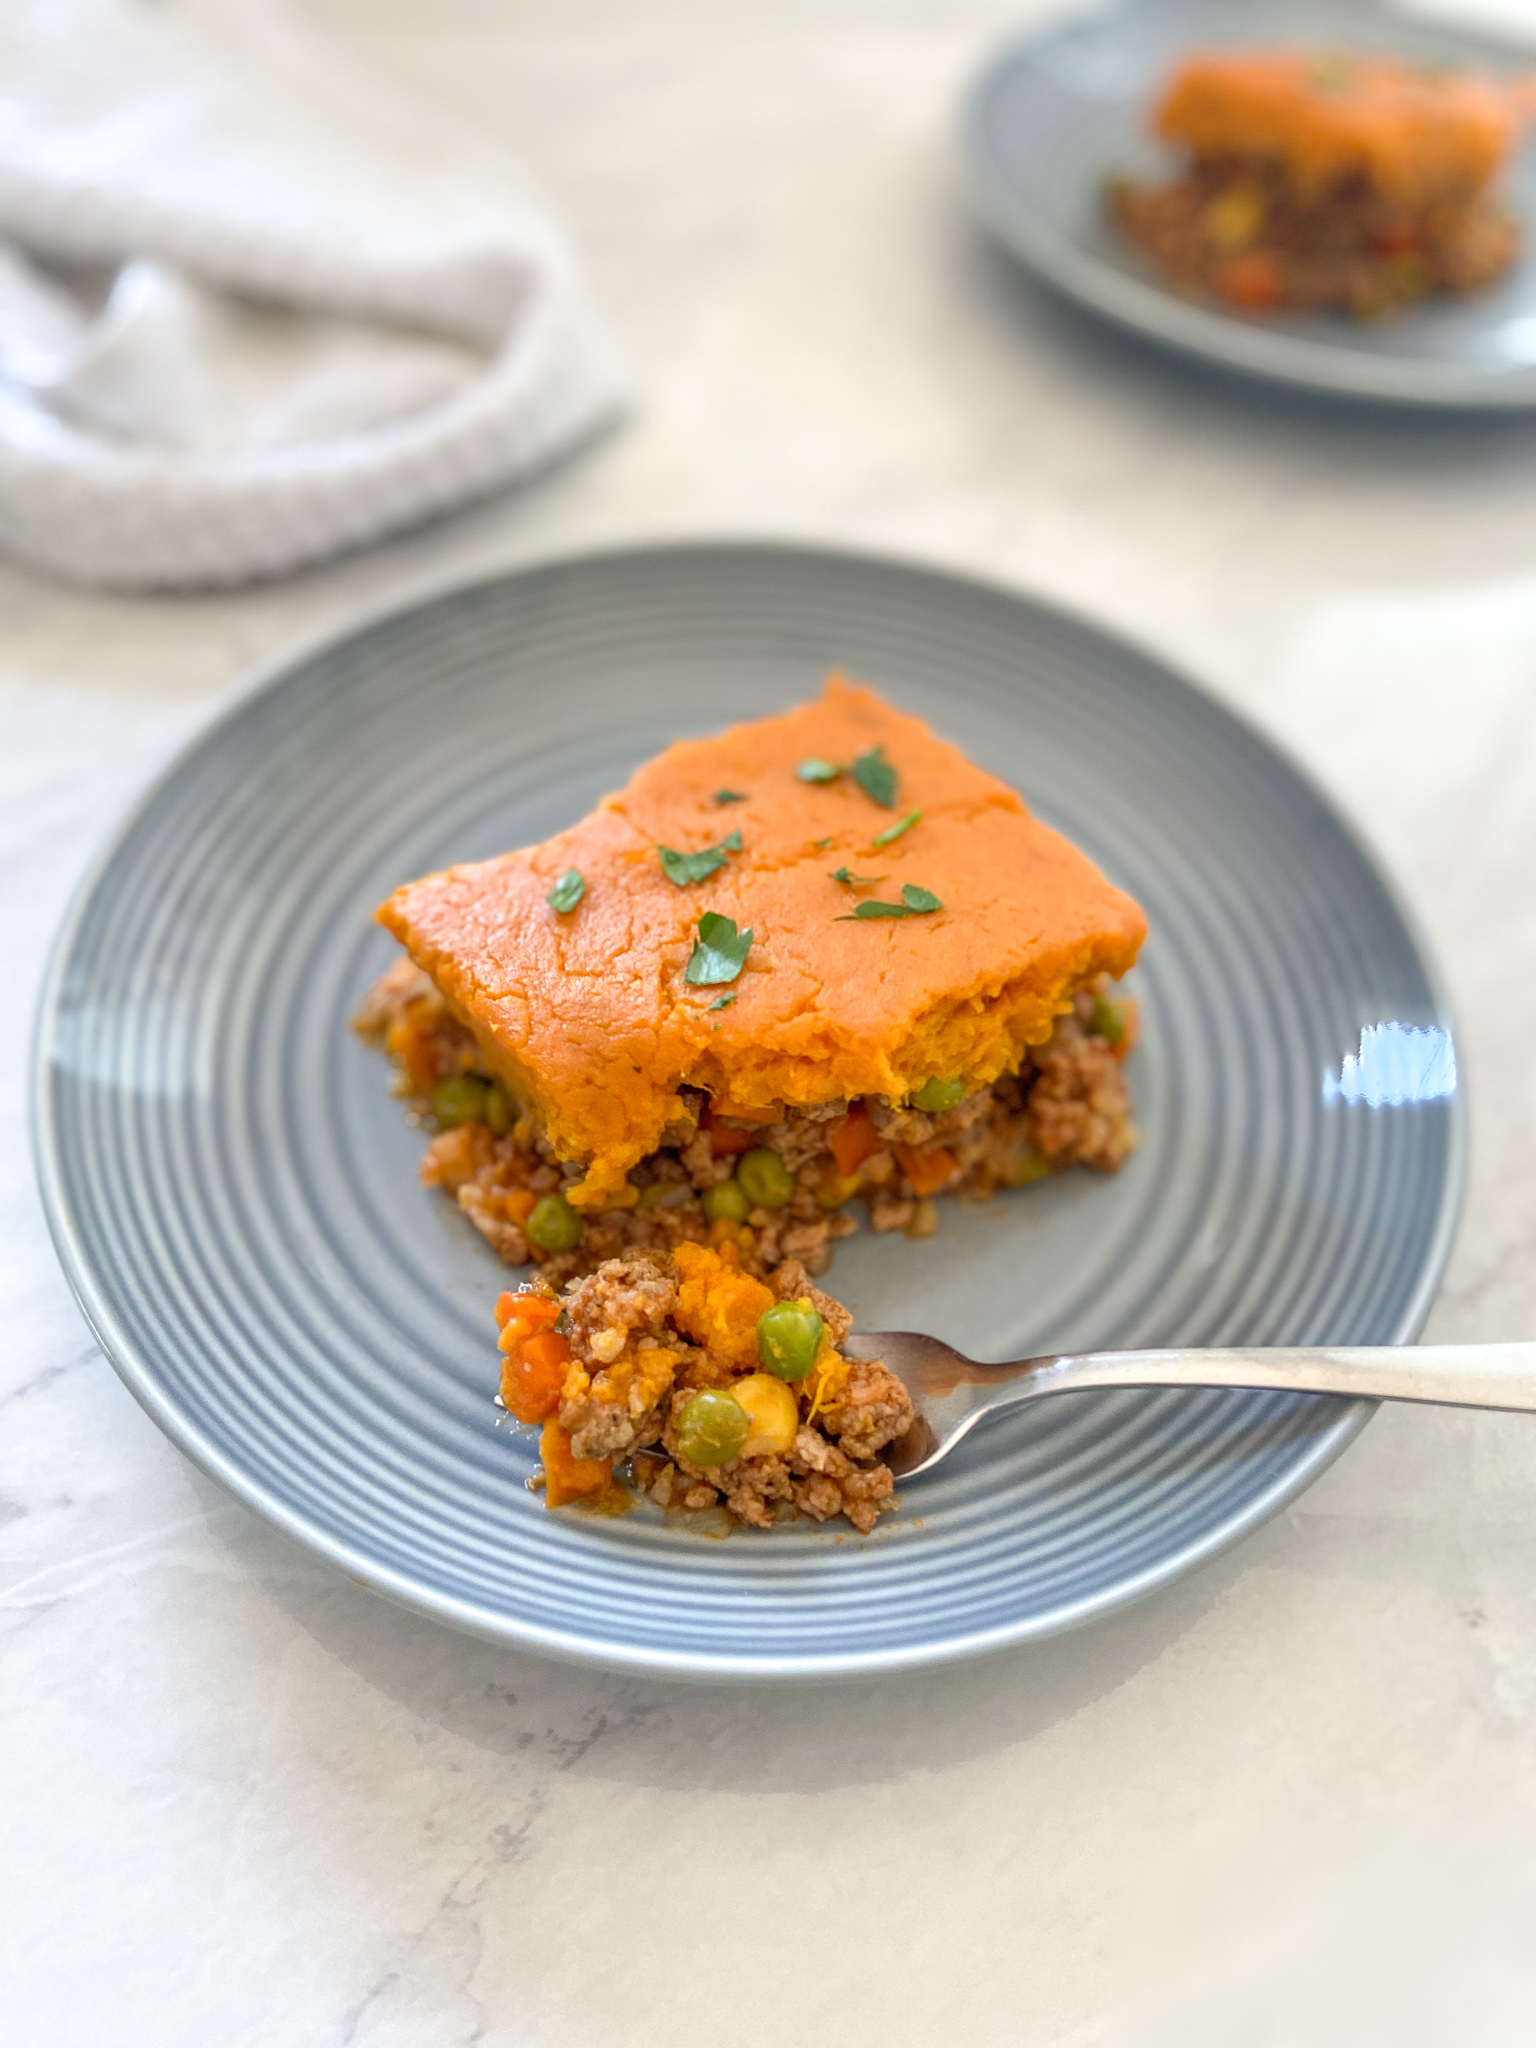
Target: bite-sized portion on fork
(683, 1377)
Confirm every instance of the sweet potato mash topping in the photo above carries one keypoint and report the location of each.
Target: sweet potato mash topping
(588, 1016)
(1412, 133)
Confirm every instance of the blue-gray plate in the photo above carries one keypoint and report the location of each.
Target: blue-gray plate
(234, 1194)
(1061, 109)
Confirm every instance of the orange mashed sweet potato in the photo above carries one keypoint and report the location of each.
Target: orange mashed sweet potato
(587, 1017)
(1415, 135)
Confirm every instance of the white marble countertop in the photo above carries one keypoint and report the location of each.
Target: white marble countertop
(1293, 1799)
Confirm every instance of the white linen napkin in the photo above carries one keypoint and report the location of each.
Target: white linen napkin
(233, 341)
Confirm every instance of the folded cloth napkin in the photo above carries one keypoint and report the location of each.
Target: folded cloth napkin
(233, 341)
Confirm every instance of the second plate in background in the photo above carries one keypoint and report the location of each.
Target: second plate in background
(1058, 111)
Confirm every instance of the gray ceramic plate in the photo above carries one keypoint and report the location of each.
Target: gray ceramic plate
(234, 1194)
(1058, 111)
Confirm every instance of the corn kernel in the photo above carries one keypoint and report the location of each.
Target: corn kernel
(1233, 219)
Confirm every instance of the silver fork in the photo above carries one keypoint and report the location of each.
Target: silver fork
(952, 1393)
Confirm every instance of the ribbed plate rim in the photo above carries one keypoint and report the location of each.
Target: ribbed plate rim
(1143, 307)
(137, 1371)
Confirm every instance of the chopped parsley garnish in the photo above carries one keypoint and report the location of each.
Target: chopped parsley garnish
(876, 777)
(723, 1003)
(730, 796)
(915, 902)
(720, 953)
(856, 881)
(683, 868)
(872, 772)
(567, 892)
(895, 831)
(820, 845)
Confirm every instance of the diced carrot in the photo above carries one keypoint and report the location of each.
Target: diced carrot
(853, 1140)
(546, 1349)
(1132, 1031)
(532, 1377)
(535, 1311)
(1252, 282)
(567, 1477)
(726, 1143)
(526, 1313)
(926, 1167)
(520, 1205)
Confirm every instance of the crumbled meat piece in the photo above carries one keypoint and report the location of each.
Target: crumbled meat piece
(867, 1495)
(752, 1485)
(801, 1138)
(872, 1410)
(401, 984)
(903, 1125)
(1077, 1111)
(891, 1212)
(617, 1410)
(829, 1483)
(623, 1296)
(486, 1210)
(782, 1234)
(698, 1155)
(820, 1497)
(818, 1477)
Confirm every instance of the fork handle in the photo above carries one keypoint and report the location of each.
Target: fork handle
(1454, 1375)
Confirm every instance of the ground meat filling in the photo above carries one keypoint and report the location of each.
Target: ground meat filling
(622, 1369)
(628, 1359)
(1066, 1106)
(1236, 229)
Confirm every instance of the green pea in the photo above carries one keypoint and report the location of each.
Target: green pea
(1028, 1165)
(461, 1099)
(935, 1096)
(554, 1225)
(1108, 1020)
(725, 1202)
(788, 1339)
(498, 1110)
(712, 1428)
(765, 1180)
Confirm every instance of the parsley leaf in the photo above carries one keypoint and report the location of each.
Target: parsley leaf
(730, 796)
(820, 845)
(723, 1003)
(915, 902)
(876, 777)
(567, 892)
(721, 951)
(895, 831)
(856, 881)
(683, 868)
(817, 771)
